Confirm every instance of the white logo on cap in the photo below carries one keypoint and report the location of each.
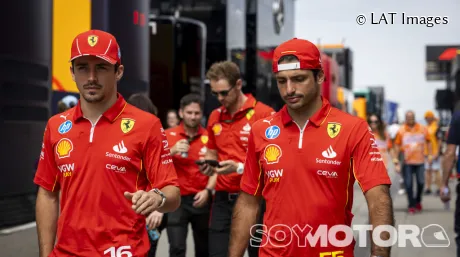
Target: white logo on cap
(289, 66)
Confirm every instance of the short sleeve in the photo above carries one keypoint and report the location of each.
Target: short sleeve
(368, 166)
(252, 180)
(453, 136)
(47, 175)
(157, 160)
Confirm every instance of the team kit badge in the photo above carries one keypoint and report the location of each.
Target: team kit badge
(333, 129)
(127, 125)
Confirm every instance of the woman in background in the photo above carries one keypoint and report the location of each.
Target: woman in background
(144, 103)
(172, 119)
(156, 220)
(382, 138)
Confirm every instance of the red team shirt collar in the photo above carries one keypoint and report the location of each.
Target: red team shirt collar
(181, 130)
(250, 102)
(111, 114)
(317, 119)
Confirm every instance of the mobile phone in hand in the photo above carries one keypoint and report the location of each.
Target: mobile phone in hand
(200, 162)
(213, 163)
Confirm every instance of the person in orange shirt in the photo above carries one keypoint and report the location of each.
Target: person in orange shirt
(229, 127)
(306, 170)
(382, 138)
(103, 156)
(413, 139)
(189, 140)
(434, 167)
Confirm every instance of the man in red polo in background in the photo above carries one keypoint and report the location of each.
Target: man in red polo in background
(306, 171)
(188, 141)
(228, 130)
(101, 156)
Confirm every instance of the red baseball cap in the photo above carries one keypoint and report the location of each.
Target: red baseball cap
(97, 43)
(307, 53)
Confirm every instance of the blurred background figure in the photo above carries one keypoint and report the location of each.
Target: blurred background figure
(397, 160)
(434, 167)
(382, 138)
(156, 221)
(143, 102)
(66, 103)
(416, 145)
(172, 119)
(393, 129)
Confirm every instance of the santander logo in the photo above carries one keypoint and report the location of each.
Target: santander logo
(120, 147)
(329, 153)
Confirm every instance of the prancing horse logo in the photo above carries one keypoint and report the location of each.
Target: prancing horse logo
(127, 125)
(92, 40)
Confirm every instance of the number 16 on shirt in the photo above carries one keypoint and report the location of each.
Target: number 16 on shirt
(122, 251)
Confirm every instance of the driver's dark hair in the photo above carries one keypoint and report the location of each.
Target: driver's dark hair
(143, 102)
(116, 66)
(189, 99)
(293, 58)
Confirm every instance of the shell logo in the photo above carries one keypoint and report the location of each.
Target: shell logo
(217, 128)
(64, 147)
(272, 153)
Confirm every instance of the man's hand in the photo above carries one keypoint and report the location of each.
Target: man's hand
(206, 169)
(144, 202)
(181, 146)
(201, 198)
(228, 166)
(154, 219)
(430, 160)
(398, 168)
(397, 165)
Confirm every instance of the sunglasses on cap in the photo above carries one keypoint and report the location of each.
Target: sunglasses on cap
(223, 93)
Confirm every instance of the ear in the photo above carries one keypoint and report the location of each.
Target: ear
(181, 114)
(120, 71)
(72, 73)
(239, 84)
(320, 77)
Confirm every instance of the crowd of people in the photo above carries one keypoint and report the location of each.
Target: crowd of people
(415, 150)
(248, 165)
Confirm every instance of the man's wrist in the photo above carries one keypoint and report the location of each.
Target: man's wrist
(162, 196)
(240, 168)
(210, 191)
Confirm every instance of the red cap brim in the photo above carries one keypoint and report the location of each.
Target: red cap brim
(103, 57)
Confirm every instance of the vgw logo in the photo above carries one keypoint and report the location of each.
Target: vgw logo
(274, 175)
(66, 169)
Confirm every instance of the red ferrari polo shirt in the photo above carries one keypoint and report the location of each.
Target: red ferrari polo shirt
(306, 176)
(191, 180)
(229, 137)
(93, 165)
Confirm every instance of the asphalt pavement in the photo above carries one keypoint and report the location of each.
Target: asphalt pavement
(23, 243)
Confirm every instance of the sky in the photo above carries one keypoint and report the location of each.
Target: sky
(390, 55)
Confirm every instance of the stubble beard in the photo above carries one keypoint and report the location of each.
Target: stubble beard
(93, 98)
